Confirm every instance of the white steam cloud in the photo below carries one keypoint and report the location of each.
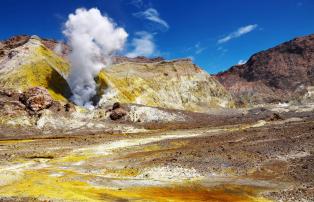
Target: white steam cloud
(93, 39)
(58, 49)
(143, 45)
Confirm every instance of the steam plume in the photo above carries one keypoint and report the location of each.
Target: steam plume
(93, 39)
(58, 49)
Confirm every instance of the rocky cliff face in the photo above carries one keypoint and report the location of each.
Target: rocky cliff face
(30, 61)
(282, 73)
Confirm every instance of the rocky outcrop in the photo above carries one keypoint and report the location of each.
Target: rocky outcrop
(19, 40)
(10, 105)
(177, 84)
(279, 74)
(31, 107)
(13, 42)
(117, 112)
(36, 99)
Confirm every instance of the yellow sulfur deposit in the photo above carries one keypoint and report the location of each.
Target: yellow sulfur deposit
(40, 184)
(175, 84)
(170, 84)
(36, 65)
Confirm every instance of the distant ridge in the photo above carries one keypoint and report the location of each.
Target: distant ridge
(279, 74)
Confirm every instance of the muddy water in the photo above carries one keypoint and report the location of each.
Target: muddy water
(89, 174)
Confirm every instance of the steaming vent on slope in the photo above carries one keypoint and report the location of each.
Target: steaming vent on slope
(93, 39)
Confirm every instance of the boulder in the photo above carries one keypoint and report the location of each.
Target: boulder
(117, 112)
(36, 99)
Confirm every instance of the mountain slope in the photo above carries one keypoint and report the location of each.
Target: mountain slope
(279, 74)
(30, 61)
(25, 62)
(177, 84)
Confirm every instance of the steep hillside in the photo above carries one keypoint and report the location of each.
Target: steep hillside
(282, 73)
(177, 84)
(26, 62)
(30, 61)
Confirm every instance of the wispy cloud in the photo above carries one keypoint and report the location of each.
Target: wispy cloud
(137, 3)
(143, 45)
(241, 62)
(198, 48)
(59, 16)
(239, 32)
(152, 15)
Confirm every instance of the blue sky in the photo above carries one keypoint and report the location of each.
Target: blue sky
(215, 33)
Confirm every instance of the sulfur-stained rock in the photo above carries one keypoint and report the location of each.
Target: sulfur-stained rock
(30, 61)
(26, 62)
(177, 84)
(36, 99)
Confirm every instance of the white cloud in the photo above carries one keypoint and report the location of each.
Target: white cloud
(241, 62)
(239, 32)
(198, 48)
(143, 45)
(152, 15)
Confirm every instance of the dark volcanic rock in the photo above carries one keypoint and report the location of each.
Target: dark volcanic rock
(117, 111)
(278, 74)
(117, 114)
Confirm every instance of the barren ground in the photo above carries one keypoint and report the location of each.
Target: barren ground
(248, 158)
